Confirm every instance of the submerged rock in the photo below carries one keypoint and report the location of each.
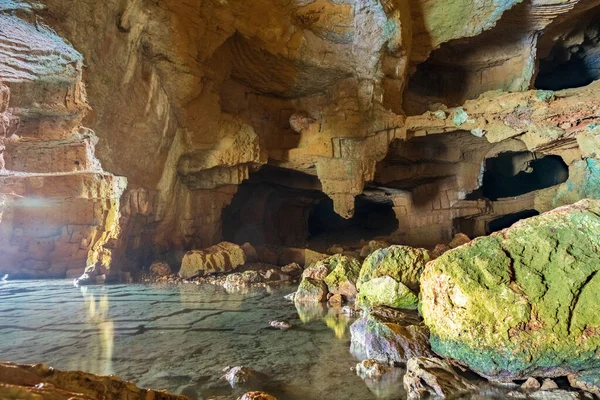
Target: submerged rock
(385, 291)
(521, 302)
(240, 375)
(403, 263)
(257, 396)
(282, 325)
(587, 380)
(433, 377)
(41, 382)
(371, 369)
(388, 342)
(222, 257)
(311, 290)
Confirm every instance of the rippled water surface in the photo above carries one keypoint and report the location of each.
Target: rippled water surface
(180, 337)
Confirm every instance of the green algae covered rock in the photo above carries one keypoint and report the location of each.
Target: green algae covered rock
(403, 263)
(521, 302)
(385, 291)
(311, 290)
(343, 274)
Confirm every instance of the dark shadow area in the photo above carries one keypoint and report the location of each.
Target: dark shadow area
(574, 59)
(516, 173)
(574, 73)
(371, 218)
(507, 221)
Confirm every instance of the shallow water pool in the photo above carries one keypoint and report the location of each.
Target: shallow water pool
(181, 337)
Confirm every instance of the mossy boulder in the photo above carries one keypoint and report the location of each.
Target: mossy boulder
(311, 290)
(403, 263)
(386, 291)
(521, 302)
(343, 274)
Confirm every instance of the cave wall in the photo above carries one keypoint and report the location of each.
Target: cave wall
(188, 100)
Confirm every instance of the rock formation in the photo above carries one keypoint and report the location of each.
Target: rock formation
(275, 121)
(520, 302)
(45, 383)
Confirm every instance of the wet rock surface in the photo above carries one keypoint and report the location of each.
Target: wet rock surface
(388, 341)
(40, 382)
(434, 377)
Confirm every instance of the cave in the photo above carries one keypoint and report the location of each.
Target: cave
(574, 60)
(283, 200)
(512, 174)
(508, 220)
(372, 218)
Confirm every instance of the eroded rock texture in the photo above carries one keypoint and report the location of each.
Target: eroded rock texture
(277, 121)
(520, 302)
(59, 210)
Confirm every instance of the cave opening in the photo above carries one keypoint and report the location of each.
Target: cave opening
(506, 221)
(574, 60)
(372, 217)
(511, 174)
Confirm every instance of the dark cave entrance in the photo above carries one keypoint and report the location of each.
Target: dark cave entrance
(287, 208)
(513, 174)
(508, 220)
(372, 218)
(574, 60)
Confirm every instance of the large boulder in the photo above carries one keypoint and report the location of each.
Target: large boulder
(338, 274)
(521, 302)
(222, 257)
(403, 263)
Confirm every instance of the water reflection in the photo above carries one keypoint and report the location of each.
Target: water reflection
(332, 316)
(98, 319)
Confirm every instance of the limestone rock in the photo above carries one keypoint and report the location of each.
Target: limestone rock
(371, 369)
(587, 380)
(311, 290)
(548, 384)
(241, 375)
(292, 269)
(388, 342)
(160, 268)
(243, 279)
(433, 377)
(402, 263)
(531, 384)
(370, 247)
(385, 291)
(257, 396)
(220, 258)
(343, 274)
(41, 382)
(521, 301)
(458, 240)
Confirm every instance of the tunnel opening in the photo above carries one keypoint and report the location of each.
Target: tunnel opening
(512, 174)
(574, 60)
(372, 218)
(286, 208)
(508, 220)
